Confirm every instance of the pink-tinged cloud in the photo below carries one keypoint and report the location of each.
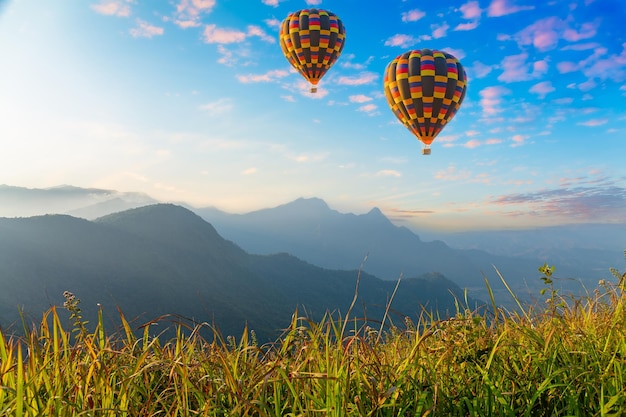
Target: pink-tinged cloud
(263, 78)
(466, 26)
(359, 98)
(542, 89)
(581, 46)
(491, 99)
(503, 7)
(368, 108)
(273, 3)
(587, 30)
(604, 201)
(473, 143)
(254, 30)
(471, 10)
(313, 2)
(517, 69)
(452, 174)
(566, 66)
(457, 53)
(412, 15)
(493, 141)
(273, 23)
(401, 40)
(145, 30)
(518, 140)
(480, 70)
(361, 79)
(212, 34)
(188, 12)
(613, 67)
(546, 33)
(112, 8)
(594, 122)
(388, 173)
(439, 31)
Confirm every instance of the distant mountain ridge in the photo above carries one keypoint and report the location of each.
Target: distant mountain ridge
(310, 230)
(164, 259)
(88, 203)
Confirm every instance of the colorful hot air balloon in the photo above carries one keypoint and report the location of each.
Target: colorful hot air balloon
(424, 89)
(312, 40)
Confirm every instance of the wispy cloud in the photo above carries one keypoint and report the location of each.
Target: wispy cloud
(542, 89)
(368, 108)
(480, 70)
(313, 2)
(218, 107)
(405, 41)
(359, 98)
(273, 3)
(145, 30)
(573, 201)
(412, 15)
(545, 34)
(188, 12)
(213, 34)
(254, 30)
(515, 68)
(518, 140)
(361, 79)
(249, 171)
(504, 7)
(594, 122)
(439, 31)
(472, 12)
(269, 76)
(120, 8)
(491, 98)
(388, 173)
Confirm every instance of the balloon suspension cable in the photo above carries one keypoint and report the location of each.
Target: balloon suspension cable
(313, 89)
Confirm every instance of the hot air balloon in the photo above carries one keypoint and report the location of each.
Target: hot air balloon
(312, 40)
(424, 89)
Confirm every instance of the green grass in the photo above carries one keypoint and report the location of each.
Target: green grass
(567, 358)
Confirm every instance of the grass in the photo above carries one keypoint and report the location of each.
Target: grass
(567, 358)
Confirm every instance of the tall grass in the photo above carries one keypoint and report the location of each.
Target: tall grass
(565, 359)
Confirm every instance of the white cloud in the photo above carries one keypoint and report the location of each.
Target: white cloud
(216, 108)
(269, 76)
(254, 30)
(359, 98)
(118, 8)
(145, 30)
(212, 34)
(249, 171)
(388, 173)
(368, 108)
(188, 12)
(405, 41)
(361, 79)
(517, 69)
(471, 10)
(491, 99)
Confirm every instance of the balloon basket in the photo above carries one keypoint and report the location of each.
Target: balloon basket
(426, 151)
(313, 89)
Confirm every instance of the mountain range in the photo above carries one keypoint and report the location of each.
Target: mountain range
(165, 260)
(310, 230)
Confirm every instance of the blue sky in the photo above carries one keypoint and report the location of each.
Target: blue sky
(192, 101)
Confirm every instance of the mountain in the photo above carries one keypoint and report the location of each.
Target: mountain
(164, 259)
(88, 203)
(310, 230)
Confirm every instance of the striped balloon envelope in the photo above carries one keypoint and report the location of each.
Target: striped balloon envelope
(425, 89)
(312, 40)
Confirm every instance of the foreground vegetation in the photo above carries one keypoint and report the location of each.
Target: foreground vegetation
(565, 359)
